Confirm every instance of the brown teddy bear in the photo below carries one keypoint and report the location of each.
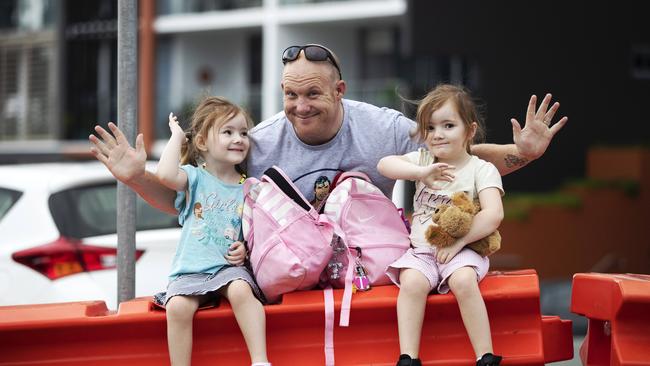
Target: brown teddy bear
(454, 220)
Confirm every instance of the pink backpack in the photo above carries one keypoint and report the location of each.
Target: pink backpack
(288, 241)
(295, 242)
(372, 235)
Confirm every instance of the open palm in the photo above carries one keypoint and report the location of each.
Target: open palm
(533, 140)
(115, 152)
(436, 172)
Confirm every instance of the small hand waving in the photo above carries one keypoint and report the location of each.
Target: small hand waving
(436, 172)
(174, 126)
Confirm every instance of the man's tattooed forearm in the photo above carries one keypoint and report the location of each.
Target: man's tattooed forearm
(514, 161)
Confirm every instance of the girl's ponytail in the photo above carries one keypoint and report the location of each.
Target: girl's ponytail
(188, 151)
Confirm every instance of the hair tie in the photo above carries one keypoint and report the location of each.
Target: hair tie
(188, 136)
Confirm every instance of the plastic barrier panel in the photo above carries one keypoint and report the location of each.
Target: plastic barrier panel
(86, 333)
(618, 309)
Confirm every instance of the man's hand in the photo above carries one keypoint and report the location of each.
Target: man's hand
(534, 138)
(115, 152)
(236, 253)
(436, 172)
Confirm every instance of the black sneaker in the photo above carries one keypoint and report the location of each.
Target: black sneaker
(406, 360)
(489, 359)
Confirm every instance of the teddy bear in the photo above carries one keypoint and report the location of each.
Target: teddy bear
(454, 220)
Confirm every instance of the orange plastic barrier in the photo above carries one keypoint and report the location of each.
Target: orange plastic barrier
(618, 309)
(85, 333)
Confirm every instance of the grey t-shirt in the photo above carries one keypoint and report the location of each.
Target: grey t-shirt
(368, 134)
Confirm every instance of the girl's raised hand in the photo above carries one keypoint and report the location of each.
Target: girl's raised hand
(174, 126)
(436, 172)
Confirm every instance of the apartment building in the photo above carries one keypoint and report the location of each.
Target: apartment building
(29, 62)
(233, 48)
(58, 69)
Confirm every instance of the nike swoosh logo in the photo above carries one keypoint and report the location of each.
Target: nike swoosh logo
(366, 219)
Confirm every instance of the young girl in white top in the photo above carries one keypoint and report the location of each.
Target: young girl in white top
(209, 259)
(447, 123)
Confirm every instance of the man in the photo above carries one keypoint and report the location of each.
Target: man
(320, 134)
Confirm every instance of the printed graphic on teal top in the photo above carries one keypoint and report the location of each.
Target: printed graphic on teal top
(211, 220)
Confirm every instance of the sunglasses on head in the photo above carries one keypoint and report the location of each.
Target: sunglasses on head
(312, 53)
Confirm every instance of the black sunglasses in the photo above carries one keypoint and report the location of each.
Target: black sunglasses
(312, 53)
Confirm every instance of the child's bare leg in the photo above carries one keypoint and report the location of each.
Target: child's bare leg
(411, 303)
(180, 314)
(464, 285)
(249, 313)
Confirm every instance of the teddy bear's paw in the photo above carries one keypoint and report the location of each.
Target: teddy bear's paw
(437, 237)
(456, 222)
(432, 233)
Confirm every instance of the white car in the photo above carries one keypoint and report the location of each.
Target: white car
(58, 238)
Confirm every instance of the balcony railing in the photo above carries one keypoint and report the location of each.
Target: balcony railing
(166, 7)
(291, 2)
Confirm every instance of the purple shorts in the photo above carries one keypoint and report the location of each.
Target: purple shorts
(423, 259)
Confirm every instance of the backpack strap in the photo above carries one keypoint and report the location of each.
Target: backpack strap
(346, 302)
(247, 214)
(276, 175)
(345, 175)
(328, 295)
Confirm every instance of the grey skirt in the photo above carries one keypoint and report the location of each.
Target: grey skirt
(196, 284)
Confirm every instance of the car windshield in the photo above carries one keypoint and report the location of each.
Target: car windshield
(7, 199)
(92, 210)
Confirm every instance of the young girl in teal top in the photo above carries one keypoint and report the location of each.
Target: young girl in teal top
(210, 256)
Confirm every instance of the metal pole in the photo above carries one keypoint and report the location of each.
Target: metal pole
(127, 97)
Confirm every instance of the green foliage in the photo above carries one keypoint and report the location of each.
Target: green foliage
(629, 187)
(517, 206)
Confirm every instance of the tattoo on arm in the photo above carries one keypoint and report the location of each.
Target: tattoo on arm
(514, 161)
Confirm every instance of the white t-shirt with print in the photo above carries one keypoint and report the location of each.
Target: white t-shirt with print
(471, 178)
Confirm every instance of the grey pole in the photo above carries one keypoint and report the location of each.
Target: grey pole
(127, 98)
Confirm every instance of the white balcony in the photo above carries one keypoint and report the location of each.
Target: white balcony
(285, 13)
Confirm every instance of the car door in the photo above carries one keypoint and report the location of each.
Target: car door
(88, 213)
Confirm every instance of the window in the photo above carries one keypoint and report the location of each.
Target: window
(199, 6)
(92, 210)
(29, 15)
(7, 199)
(27, 94)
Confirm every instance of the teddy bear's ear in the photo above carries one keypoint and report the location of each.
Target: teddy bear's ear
(463, 202)
(459, 198)
(438, 211)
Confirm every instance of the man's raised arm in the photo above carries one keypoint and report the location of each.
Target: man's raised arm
(530, 142)
(128, 166)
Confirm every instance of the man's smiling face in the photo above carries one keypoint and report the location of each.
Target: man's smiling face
(312, 97)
